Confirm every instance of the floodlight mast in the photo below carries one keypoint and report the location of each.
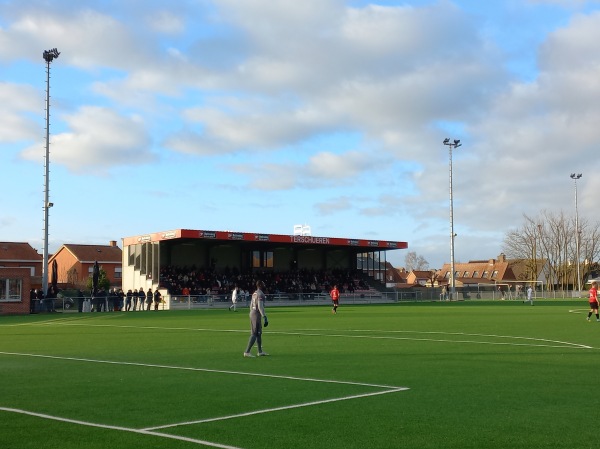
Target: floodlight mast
(575, 177)
(455, 144)
(49, 56)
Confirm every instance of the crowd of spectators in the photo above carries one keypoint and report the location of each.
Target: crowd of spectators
(196, 281)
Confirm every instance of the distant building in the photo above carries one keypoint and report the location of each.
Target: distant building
(420, 277)
(475, 272)
(22, 255)
(75, 263)
(20, 271)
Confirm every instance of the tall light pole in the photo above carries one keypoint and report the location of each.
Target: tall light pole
(49, 56)
(455, 144)
(575, 177)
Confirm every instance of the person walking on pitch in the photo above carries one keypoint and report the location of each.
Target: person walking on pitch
(529, 295)
(234, 297)
(257, 314)
(335, 298)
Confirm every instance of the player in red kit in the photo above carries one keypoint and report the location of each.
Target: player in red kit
(593, 301)
(335, 297)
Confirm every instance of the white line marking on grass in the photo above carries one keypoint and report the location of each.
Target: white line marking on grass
(558, 344)
(276, 409)
(205, 370)
(323, 333)
(123, 429)
(579, 310)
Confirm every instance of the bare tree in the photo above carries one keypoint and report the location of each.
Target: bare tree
(413, 261)
(549, 243)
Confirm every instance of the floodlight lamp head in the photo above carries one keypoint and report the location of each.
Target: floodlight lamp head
(572, 175)
(49, 55)
(446, 140)
(456, 141)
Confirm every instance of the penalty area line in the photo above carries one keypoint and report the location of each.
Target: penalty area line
(277, 409)
(119, 428)
(204, 370)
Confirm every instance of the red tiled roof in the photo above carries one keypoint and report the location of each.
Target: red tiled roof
(18, 252)
(421, 274)
(503, 268)
(91, 253)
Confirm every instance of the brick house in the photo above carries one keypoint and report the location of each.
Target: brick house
(491, 271)
(20, 271)
(420, 277)
(22, 255)
(15, 284)
(75, 263)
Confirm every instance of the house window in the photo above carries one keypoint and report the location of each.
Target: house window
(475, 274)
(447, 275)
(494, 274)
(466, 274)
(10, 290)
(118, 273)
(485, 274)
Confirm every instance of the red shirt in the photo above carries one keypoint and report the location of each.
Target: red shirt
(593, 295)
(335, 294)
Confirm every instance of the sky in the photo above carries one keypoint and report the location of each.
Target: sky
(255, 116)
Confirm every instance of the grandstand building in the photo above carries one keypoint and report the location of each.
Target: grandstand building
(146, 256)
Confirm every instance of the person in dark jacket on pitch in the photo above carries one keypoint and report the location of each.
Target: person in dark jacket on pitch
(157, 298)
(149, 298)
(80, 300)
(134, 298)
(100, 300)
(32, 300)
(128, 298)
(142, 298)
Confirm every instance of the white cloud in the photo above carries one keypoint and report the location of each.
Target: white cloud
(99, 139)
(257, 85)
(16, 102)
(166, 22)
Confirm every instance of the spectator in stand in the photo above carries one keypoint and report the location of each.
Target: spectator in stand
(142, 298)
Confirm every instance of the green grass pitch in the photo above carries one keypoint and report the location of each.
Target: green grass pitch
(431, 375)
